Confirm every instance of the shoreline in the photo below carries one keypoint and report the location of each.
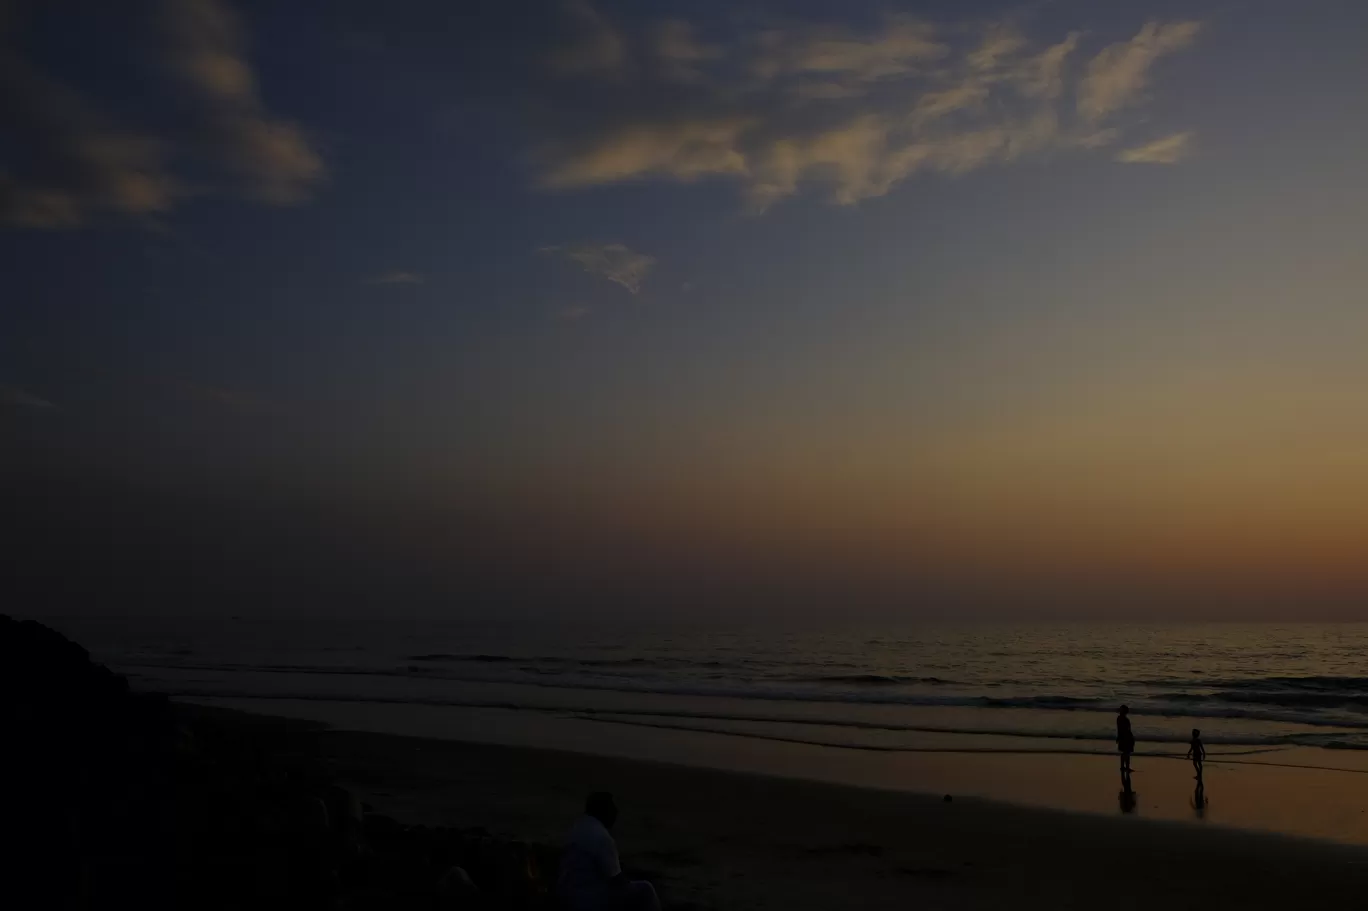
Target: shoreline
(720, 839)
(1282, 796)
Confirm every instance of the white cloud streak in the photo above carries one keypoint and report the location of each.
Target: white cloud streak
(617, 263)
(1042, 76)
(271, 158)
(1168, 150)
(855, 113)
(66, 163)
(903, 46)
(998, 45)
(599, 47)
(685, 151)
(1117, 76)
(85, 163)
(233, 401)
(680, 53)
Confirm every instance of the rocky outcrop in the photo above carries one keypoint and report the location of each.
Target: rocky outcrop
(126, 800)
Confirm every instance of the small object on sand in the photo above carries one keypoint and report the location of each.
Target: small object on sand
(947, 798)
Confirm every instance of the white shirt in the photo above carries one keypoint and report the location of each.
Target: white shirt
(589, 863)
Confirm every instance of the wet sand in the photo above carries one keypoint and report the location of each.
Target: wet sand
(1266, 791)
(727, 840)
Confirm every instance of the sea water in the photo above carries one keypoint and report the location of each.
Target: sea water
(1254, 688)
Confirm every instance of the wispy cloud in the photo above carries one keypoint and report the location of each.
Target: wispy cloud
(598, 48)
(684, 151)
(854, 112)
(1168, 150)
(84, 162)
(67, 161)
(1042, 76)
(1099, 138)
(570, 314)
(1000, 44)
(234, 401)
(271, 158)
(680, 53)
(903, 45)
(1117, 76)
(19, 398)
(617, 263)
(398, 278)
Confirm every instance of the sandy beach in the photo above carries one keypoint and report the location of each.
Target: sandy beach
(727, 840)
(1308, 793)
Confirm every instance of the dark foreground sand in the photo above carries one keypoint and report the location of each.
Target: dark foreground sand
(722, 840)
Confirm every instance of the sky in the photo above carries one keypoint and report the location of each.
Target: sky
(942, 308)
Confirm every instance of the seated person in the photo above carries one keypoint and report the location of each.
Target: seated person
(591, 877)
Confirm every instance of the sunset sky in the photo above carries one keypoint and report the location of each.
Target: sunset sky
(1002, 304)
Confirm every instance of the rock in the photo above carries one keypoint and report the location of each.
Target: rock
(94, 763)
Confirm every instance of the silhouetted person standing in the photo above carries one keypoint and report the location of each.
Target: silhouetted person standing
(1197, 753)
(1125, 740)
(591, 877)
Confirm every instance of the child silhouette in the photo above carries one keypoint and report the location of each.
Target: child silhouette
(1196, 752)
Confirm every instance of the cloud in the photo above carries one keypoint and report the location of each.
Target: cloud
(66, 162)
(679, 52)
(1168, 150)
(853, 155)
(941, 102)
(900, 47)
(616, 262)
(1042, 76)
(570, 314)
(1117, 76)
(271, 158)
(683, 151)
(79, 162)
(231, 400)
(18, 398)
(1099, 138)
(599, 47)
(1000, 44)
(398, 278)
(853, 113)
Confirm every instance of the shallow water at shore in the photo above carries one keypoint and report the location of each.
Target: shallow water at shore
(1293, 791)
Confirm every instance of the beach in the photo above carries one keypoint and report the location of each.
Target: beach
(1022, 715)
(729, 840)
(266, 802)
(1309, 793)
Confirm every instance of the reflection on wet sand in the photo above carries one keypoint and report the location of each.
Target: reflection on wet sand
(1126, 798)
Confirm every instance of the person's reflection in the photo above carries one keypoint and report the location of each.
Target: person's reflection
(1126, 796)
(1199, 801)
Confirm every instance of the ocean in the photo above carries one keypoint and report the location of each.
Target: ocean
(1251, 689)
